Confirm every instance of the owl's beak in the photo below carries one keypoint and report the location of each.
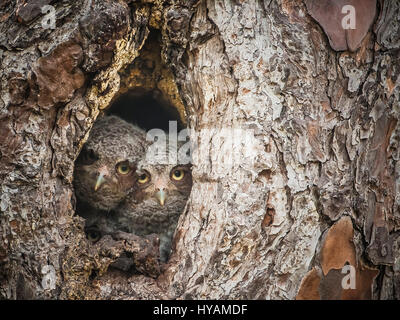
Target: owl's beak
(161, 196)
(100, 181)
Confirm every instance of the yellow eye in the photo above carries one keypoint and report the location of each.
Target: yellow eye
(123, 168)
(93, 235)
(178, 174)
(143, 178)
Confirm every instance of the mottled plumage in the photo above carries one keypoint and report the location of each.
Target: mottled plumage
(105, 169)
(160, 195)
(147, 201)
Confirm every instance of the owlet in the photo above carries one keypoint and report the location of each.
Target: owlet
(161, 192)
(105, 169)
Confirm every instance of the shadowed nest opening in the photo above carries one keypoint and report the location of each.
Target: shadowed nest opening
(147, 109)
(148, 95)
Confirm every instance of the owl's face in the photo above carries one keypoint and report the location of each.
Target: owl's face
(107, 178)
(105, 169)
(162, 185)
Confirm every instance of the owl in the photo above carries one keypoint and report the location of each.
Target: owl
(105, 169)
(160, 195)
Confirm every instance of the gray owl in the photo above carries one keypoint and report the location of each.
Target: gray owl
(160, 195)
(105, 169)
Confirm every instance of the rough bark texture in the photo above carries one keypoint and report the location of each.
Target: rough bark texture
(320, 188)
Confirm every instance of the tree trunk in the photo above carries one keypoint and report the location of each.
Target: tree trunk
(301, 203)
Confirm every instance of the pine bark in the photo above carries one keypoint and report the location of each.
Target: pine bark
(317, 190)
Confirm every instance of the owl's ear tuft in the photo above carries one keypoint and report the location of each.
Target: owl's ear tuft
(87, 156)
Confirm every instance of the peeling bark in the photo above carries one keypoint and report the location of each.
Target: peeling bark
(317, 190)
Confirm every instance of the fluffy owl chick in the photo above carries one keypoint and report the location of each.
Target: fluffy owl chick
(161, 192)
(105, 169)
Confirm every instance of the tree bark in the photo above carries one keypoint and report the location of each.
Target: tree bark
(312, 184)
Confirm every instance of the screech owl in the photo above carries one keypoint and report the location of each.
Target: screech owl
(161, 192)
(105, 168)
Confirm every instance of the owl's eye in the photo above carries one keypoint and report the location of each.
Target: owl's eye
(143, 178)
(178, 174)
(123, 168)
(93, 235)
